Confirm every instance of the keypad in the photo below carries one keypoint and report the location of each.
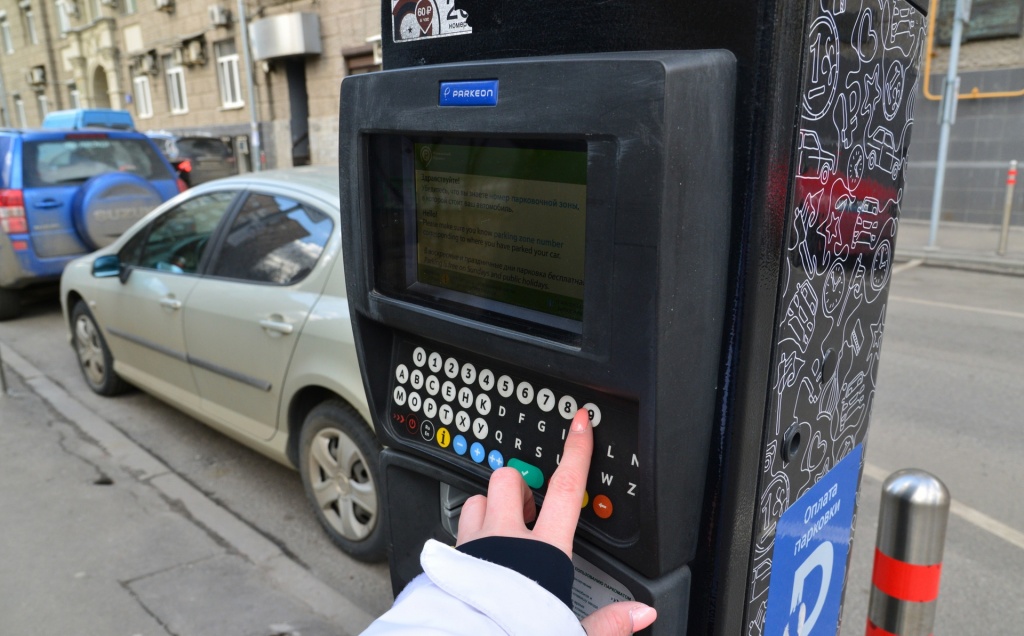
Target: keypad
(483, 415)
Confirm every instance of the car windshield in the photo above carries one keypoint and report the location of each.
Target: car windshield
(73, 161)
(203, 147)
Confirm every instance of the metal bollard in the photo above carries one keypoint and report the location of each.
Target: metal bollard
(908, 554)
(1011, 181)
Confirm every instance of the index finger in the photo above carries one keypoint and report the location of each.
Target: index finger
(556, 523)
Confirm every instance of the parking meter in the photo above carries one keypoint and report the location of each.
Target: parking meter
(686, 228)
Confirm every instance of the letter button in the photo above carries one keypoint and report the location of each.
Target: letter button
(415, 402)
(399, 395)
(429, 407)
(448, 390)
(433, 384)
(402, 374)
(446, 413)
(483, 404)
(465, 397)
(480, 428)
(532, 475)
(416, 379)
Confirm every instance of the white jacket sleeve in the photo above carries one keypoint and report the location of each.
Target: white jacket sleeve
(458, 594)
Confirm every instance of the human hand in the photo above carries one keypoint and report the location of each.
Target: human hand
(509, 506)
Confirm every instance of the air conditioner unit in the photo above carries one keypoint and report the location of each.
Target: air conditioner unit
(110, 3)
(165, 5)
(219, 15)
(36, 75)
(194, 53)
(148, 64)
(178, 56)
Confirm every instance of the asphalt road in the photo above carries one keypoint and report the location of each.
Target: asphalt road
(950, 401)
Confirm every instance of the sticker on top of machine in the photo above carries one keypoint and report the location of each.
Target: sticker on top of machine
(812, 543)
(417, 19)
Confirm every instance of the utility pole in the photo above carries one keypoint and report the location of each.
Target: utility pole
(947, 115)
(255, 145)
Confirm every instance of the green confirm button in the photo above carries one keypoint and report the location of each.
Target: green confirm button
(534, 478)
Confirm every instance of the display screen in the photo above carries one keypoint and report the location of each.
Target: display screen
(502, 222)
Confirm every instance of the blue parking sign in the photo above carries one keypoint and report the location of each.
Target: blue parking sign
(812, 542)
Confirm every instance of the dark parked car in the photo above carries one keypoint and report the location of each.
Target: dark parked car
(197, 158)
(64, 193)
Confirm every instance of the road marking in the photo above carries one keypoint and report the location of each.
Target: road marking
(977, 310)
(908, 265)
(968, 514)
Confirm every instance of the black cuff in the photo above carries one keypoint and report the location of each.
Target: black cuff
(542, 562)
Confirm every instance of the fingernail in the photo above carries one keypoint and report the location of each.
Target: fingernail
(638, 615)
(581, 420)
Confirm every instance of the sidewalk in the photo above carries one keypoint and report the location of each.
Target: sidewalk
(961, 245)
(99, 537)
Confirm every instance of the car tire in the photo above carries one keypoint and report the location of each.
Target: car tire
(338, 461)
(10, 304)
(94, 358)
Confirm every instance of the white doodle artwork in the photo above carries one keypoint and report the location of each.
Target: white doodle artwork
(860, 78)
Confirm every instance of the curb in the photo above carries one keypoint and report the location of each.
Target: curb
(974, 262)
(288, 575)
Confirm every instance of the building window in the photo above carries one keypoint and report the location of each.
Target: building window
(177, 99)
(30, 26)
(65, 9)
(19, 107)
(128, 7)
(74, 96)
(227, 74)
(143, 97)
(44, 105)
(95, 9)
(360, 59)
(5, 34)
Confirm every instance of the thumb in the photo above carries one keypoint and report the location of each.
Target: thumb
(619, 619)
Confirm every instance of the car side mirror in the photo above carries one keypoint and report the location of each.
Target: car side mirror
(108, 266)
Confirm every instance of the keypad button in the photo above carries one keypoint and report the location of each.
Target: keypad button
(444, 438)
(477, 452)
(483, 404)
(545, 399)
(602, 506)
(433, 384)
(451, 368)
(429, 407)
(468, 373)
(480, 428)
(486, 379)
(446, 413)
(567, 406)
(427, 430)
(586, 499)
(416, 379)
(462, 421)
(415, 402)
(594, 412)
(448, 391)
(495, 459)
(532, 475)
(465, 397)
(524, 392)
(434, 362)
(505, 386)
(460, 445)
(402, 374)
(399, 396)
(419, 356)
(412, 424)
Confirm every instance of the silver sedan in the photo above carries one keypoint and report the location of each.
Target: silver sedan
(228, 302)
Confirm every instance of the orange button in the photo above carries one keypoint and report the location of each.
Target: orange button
(602, 506)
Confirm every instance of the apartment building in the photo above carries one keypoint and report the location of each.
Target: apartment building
(180, 66)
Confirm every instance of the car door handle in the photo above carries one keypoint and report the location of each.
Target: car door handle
(274, 325)
(47, 203)
(170, 303)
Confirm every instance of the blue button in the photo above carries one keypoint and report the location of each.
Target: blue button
(459, 444)
(472, 93)
(477, 452)
(495, 460)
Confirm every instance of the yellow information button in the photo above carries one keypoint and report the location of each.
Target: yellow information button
(444, 438)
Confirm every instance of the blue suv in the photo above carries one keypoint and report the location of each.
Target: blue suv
(64, 193)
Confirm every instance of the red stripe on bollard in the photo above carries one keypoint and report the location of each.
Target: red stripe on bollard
(875, 630)
(904, 581)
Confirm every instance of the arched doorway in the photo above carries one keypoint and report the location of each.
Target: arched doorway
(100, 90)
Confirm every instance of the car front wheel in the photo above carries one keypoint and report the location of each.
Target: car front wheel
(338, 462)
(94, 357)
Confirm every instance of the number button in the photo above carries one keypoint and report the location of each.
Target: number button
(448, 390)
(483, 404)
(451, 368)
(434, 362)
(525, 392)
(429, 407)
(446, 413)
(468, 373)
(567, 406)
(399, 395)
(594, 412)
(414, 402)
(416, 379)
(433, 384)
(419, 356)
(486, 379)
(505, 386)
(545, 399)
(402, 374)
(465, 397)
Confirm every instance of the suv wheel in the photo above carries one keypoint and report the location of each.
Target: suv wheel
(10, 304)
(94, 357)
(338, 463)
